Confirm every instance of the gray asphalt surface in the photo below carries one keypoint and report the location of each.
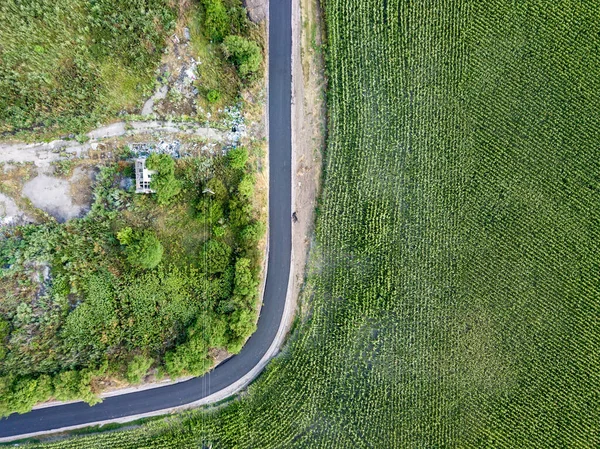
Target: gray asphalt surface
(280, 82)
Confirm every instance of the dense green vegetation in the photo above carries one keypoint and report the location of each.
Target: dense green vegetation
(66, 64)
(454, 288)
(138, 282)
(225, 21)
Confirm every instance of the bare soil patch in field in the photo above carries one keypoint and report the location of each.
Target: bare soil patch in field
(53, 196)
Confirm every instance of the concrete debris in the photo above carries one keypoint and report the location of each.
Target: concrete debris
(236, 123)
(172, 148)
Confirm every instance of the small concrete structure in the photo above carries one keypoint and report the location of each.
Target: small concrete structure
(143, 176)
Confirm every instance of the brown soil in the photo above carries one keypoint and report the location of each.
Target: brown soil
(308, 129)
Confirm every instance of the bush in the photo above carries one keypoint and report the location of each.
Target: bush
(245, 54)
(242, 323)
(237, 157)
(213, 96)
(137, 369)
(142, 248)
(66, 385)
(216, 20)
(240, 212)
(71, 385)
(92, 327)
(245, 284)
(246, 186)
(217, 189)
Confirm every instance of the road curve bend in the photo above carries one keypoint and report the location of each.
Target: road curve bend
(229, 375)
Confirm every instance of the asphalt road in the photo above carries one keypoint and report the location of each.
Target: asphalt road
(280, 81)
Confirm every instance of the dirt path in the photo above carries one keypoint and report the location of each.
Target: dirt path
(43, 154)
(308, 131)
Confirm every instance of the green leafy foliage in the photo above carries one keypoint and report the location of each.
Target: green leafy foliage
(215, 256)
(216, 20)
(237, 157)
(163, 181)
(142, 248)
(4, 333)
(138, 368)
(92, 327)
(246, 186)
(454, 283)
(213, 96)
(245, 54)
(132, 277)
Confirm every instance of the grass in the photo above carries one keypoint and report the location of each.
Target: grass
(214, 72)
(455, 282)
(66, 65)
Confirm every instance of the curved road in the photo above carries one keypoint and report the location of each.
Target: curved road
(113, 408)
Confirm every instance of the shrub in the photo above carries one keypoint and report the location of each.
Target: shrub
(191, 358)
(213, 96)
(142, 248)
(246, 186)
(242, 323)
(251, 234)
(245, 54)
(137, 369)
(210, 211)
(245, 284)
(66, 385)
(216, 20)
(237, 157)
(216, 189)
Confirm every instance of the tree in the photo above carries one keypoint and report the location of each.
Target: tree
(142, 248)
(66, 385)
(190, 357)
(163, 181)
(137, 368)
(70, 385)
(215, 256)
(243, 323)
(216, 20)
(245, 54)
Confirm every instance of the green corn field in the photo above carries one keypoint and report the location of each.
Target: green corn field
(454, 291)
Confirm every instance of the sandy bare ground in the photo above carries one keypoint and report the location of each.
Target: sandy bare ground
(55, 195)
(43, 154)
(10, 213)
(308, 131)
